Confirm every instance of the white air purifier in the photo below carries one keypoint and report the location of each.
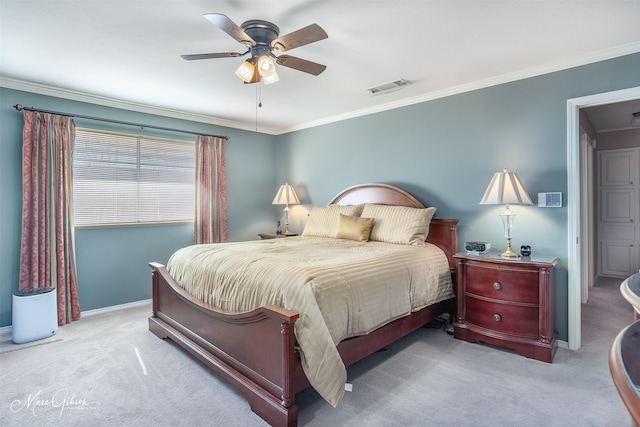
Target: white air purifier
(34, 314)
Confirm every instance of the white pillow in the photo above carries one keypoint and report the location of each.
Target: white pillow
(399, 224)
(323, 221)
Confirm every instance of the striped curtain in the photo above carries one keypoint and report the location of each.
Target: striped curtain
(47, 252)
(211, 223)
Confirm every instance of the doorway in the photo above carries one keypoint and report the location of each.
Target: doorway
(576, 248)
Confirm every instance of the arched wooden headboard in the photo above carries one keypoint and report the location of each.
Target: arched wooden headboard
(380, 194)
(442, 231)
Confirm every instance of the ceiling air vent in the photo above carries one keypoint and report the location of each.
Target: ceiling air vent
(388, 87)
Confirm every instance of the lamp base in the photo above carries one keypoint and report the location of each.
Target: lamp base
(509, 253)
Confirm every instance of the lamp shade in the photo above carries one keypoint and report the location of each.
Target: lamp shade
(245, 71)
(505, 188)
(286, 196)
(272, 78)
(266, 66)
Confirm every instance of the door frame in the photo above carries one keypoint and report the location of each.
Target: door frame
(587, 223)
(574, 244)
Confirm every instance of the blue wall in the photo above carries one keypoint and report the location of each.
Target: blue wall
(445, 152)
(112, 262)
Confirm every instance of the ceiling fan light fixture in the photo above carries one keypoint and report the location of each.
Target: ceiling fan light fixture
(245, 71)
(272, 78)
(266, 66)
(635, 120)
(261, 38)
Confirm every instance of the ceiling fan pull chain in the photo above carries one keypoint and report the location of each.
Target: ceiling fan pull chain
(257, 86)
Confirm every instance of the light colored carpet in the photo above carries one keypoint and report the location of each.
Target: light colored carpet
(109, 370)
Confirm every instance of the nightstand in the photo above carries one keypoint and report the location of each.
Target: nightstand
(508, 303)
(265, 236)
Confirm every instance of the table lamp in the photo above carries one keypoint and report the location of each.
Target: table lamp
(506, 188)
(285, 196)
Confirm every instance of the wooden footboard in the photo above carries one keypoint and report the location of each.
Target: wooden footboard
(254, 351)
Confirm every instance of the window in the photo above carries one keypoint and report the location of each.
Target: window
(126, 179)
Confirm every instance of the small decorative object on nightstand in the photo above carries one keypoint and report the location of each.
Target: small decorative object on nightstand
(508, 303)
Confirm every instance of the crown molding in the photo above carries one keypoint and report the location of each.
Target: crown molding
(104, 101)
(566, 64)
(603, 55)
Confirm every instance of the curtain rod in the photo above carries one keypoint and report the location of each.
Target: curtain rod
(19, 107)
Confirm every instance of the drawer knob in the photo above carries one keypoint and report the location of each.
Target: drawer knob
(496, 286)
(497, 317)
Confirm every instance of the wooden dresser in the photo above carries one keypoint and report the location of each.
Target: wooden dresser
(508, 303)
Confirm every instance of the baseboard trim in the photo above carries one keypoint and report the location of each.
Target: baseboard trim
(115, 308)
(563, 344)
(96, 311)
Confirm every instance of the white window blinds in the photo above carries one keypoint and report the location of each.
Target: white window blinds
(125, 179)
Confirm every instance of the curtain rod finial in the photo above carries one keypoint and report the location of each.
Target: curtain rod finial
(18, 107)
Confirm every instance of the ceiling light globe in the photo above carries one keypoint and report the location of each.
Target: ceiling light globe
(266, 67)
(267, 80)
(245, 71)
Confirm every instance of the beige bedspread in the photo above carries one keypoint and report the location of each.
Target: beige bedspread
(340, 288)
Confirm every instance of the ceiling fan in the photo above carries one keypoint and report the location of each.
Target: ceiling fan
(261, 39)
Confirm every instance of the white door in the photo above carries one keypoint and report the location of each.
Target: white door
(618, 229)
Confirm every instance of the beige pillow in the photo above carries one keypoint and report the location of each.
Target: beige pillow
(354, 228)
(399, 224)
(323, 221)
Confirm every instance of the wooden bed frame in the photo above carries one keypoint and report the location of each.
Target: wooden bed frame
(254, 351)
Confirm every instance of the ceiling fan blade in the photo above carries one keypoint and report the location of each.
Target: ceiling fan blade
(196, 56)
(300, 64)
(229, 27)
(309, 34)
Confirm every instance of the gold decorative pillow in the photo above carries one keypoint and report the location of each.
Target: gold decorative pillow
(399, 224)
(354, 228)
(323, 221)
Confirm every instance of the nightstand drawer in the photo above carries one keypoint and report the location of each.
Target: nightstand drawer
(502, 283)
(509, 319)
